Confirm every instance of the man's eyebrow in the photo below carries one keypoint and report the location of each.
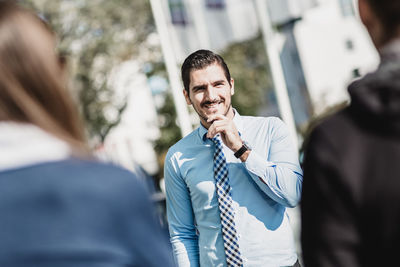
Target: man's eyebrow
(219, 81)
(200, 86)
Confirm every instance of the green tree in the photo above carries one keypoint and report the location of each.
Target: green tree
(170, 132)
(247, 62)
(96, 36)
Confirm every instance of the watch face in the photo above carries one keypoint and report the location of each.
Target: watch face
(247, 145)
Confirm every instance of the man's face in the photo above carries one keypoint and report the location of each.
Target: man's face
(210, 93)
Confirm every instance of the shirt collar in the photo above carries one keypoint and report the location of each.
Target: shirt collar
(237, 119)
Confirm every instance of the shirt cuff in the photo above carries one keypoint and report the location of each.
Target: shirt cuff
(257, 165)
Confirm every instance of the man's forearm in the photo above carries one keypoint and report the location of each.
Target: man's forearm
(279, 182)
(186, 253)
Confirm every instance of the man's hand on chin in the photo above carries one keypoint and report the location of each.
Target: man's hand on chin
(224, 126)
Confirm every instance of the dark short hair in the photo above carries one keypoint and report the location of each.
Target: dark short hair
(199, 60)
(388, 12)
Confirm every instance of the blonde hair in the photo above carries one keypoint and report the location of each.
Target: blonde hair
(31, 85)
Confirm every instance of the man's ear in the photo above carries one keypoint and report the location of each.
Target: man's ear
(185, 93)
(232, 86)
(365, 12)
(371, 22)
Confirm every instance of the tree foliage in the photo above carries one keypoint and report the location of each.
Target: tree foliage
(97, 35)
(247, 62)
(170, 132)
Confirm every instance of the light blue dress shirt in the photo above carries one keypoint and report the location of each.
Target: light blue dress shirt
(262, 187)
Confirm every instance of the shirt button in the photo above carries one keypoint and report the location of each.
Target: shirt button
(239, 236)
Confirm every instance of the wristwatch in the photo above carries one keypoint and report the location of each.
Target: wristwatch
(245, 147)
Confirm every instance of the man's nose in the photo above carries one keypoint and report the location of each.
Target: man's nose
(211, 93)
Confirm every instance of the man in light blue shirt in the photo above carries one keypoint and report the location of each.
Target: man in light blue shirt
(264, 176)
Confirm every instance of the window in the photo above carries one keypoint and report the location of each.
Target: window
(215, 4)
(356, 73)
(347, 7)
(349, 45)
(178, 12)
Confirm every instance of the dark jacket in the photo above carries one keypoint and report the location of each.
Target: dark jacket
(77, 213)
(351, 190)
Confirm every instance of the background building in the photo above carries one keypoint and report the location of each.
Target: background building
(321, 43)
(334, 49)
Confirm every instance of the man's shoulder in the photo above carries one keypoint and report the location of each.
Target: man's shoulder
(260, 118)
(261, 121)
(185, 143)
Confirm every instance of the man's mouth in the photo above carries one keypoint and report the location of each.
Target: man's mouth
(211, 105)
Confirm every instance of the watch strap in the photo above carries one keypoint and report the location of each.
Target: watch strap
(241, 151)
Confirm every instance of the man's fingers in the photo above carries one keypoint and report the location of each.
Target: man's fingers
(215, 129)
(213, 132)
(214, 117)
(210, 133)
(224, 126)
(218, 123)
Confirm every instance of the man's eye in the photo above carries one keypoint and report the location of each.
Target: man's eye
(196, 89)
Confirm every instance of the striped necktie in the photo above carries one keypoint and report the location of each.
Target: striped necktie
(223, 188)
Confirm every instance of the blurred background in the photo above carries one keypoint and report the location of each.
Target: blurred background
(289, 58)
